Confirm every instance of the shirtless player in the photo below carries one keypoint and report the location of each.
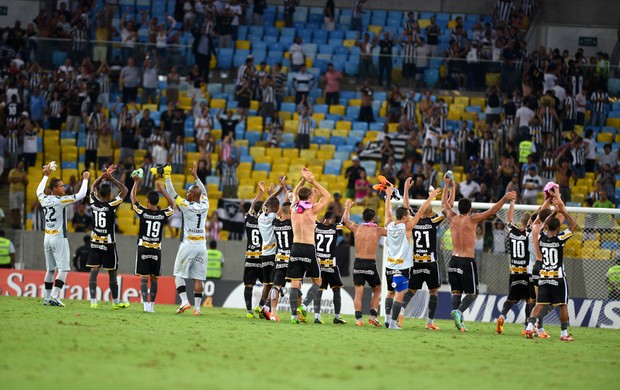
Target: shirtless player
(367, 237)
(462, 270)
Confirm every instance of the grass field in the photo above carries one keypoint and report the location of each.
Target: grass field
(75, 347)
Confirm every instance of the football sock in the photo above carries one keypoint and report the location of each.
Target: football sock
(528, 310)
(543, 313)
(312, 292)
(261, 303)
(197, 300)
(247, 296)
(154, 285)
(530, 323)
(396, 310)
(388, 306)
(564, 328)
(114, 286)
(293, 300)
(181, 289)
(144, 289)
(92, 284)
(432, 307)
(317, 316)
(373, 312)
(337, 302)
(358, 315)
(506, 308)
(57, 287)
(49, 283)
(468, 300)
(408, 295)
(317, 303)
(456, 301)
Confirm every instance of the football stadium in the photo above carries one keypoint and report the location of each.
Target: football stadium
(197, 192)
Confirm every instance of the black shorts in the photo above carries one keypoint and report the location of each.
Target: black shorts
(463, 275)
(424, 272)
(252, 271)
(365, 270)
(279, 273)
(267, 265)
(148, 261)
(102, 255)
(521, 287)
(536, 272)
(330, 277)
(552, 291)
(389, 274)
(303, 262)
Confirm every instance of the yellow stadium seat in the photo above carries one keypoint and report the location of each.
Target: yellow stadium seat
(279, 168)
(601, 254)
(462, 100)
(290, 153)
(446, 98)
(340, 133)
(291, 126)
(343, 125)
(259, 175)
(307, 153)
(375, 29)
(322, 133)
(67, 173)
(325, 154)
(491, 79)
(355, 102)
(424, 23)
(67, 142)
(274, 153)
(285, 115)
(348, 42)
(309, 62)
(255, 121)
(241, 44)
(613, 122)
(604, 137)
(454, 115)
(478, 101)
(246, 191)
(468, 116)
(263, 159)
(256, 151)
(242, 142)
(218, 103)
(392, 127)
(329, 147)
(337, 109)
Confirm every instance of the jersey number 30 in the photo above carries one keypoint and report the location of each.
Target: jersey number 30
(550, 256)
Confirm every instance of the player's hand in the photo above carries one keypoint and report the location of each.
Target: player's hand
(194, 170)
(261, 186)
(389, 190)
(304, 173)
(136, 178)
(348, 204)
(283, 181)
(447, 182)
(158, 185)
(510, 196)
(111, 169)
(434, 193)
(47, 170)
(271, 189)
(408, 183)
(86, 175)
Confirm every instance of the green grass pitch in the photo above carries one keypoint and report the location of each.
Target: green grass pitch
(79, 348)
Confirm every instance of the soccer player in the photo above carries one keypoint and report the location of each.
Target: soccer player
(55, 243)
(462, 270)
(252, 267)
(269, 248)
(152, 223)
(425, 267)
(521, 285)
(303, 261)
(102, 239)
(399, 250)
(191, 260)
(325, 235)
(367, 236)
(552, 285)
(283, 230)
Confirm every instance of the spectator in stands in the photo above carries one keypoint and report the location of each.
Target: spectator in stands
(81, 256)
(332, 79)
(366, 114)
(366, 46)
(302, 83)
(362, 187)
(599, 100)
(563, 175)
(204, 169)
(279, 78)
(37, 105)
(493, 105)
(105, 149)
(335, 206)
(177, 124)
(29, 139)
(422, 57)
(228, 123)
(607, 158)
(268, 103)
(244, 96)
(386, 44)
(329, 15)
(146, 127)
(258, 11)
(469, 187)
(127, 130)
(305, 111)
(394, 104)
(356, 17)
(203, 48)
(298, 55)
(472, 146)
(147, 181)
(128, 81)
(150, 80)
(581, 99)
(81, 221)
(532, 185)
(18, 180)
(173, 81)
(289, 12)
(176, 155)
(603, 201)
(409, 59)
(76, 110)
(353, 173)
(608, 181)
(229, 160)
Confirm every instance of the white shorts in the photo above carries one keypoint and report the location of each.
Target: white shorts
(191, 261)
(57, 253)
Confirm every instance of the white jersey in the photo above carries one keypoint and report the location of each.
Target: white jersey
(399, 248)
(532, 251)
(194, 214)
(265, 226)
(54, 208)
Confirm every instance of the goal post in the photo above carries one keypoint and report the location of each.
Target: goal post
(588, 255)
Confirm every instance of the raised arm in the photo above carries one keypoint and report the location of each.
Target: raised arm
(95, 185)
(388, 205)
(325, 195)
(118, 184)
(84, 187)
(296, 190)
(447, 197)
(496, 207)
(280, 189)
(407, 187)
(562, 211)
(41, 187)
(133, 196)
(259, 195)
(197, 181)
(160, 189)
(422, 210)
(346, 216)
(511, 213)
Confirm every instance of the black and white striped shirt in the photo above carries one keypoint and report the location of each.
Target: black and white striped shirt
(104, 83)
(358, 9)
(431, 180)
(55, 108)
(268, 95)
(305, 125)
(148, 176)
(461, 139)
(570, 108)
(428, 154)
(504, 10)
(280, 81)
(548, 162)
(578, 155)
(408, 52)
(487, 148)
(177, 153)
(229, 174)
(577, 83)
(536, 134)
(13, 141)
(450, 146)
(91, 139)
(527, 6)
(599, 106)
(548, 124)
(79, 38)
(154, 139)
(409, 107)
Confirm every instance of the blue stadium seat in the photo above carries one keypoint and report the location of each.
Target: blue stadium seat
(262, 167)
(337, 140)
(288, 107)
(252, 137)
(321, 109)
(69, 165)
(345, 148)
(319, 140)
(362, 126)
(327, 124)
(246, 158)
(611, 245)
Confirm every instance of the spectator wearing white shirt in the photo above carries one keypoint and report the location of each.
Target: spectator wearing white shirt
(523, 117)
(302, 82)
(532, 184)
(298, 55)
(582, 99)
(160, 153)
(469, 187)
(150, 81)
(607, 157)
(236, 12)
(590, 150)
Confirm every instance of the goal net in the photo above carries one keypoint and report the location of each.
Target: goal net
(588, 255)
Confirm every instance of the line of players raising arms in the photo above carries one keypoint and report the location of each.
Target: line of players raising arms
(287, 243)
